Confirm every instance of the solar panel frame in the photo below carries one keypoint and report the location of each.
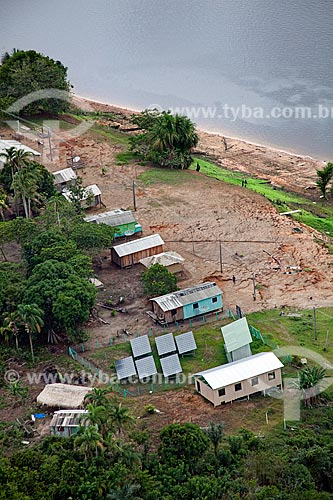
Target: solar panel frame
(146, 367)
(140, 346)
(165, 344)
(186, 342)
(125, 368)
(171, 365)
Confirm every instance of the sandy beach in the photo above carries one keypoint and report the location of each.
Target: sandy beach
(294, 172)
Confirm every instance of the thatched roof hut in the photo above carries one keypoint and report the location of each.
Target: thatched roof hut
(63, 395)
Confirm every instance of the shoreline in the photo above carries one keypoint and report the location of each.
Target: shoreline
(218, 134)
(283, 169)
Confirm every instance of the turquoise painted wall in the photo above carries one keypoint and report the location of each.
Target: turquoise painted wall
(204, 306)
(132, 226)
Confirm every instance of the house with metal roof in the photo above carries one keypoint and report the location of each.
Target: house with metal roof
(66, 423)
(188, 303)
(132, 252)
(238, 379)
(171, 260)
(9, 143)
(123, 220)
(64, 178)
(92, 196)
(237, 340)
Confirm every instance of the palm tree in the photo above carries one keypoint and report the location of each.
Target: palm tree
(121, 417)
(31, 317)
(97, 397)
(309, 378)
(25, 185)
(98, 416)
(12, 322)
(215, 434)
(126, 492)
(89, 441)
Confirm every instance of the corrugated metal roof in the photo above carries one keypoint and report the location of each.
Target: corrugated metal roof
(113, 218)
(134, 246)
(236, 334)
(164, 259)
(68, 418)
(65, 175)
(6, 144)
(187, 296)
(237, 371)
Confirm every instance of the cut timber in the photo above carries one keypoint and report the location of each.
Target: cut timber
(274, 258)
(291, 212)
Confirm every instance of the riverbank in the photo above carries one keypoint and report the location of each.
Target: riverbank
(294, 172)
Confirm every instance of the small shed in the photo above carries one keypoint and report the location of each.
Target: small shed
(171, 260)
(123, 220)
(9, 143)
(239, 379)
(237, 340)
(132, 252)
(63, 395)
(66, 423)
(188, 303)
(64, 178)
(91, 197)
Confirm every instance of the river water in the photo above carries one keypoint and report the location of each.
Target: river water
(235, 65)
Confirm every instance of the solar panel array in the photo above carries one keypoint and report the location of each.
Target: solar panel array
(140, 346)
(171, 365)
(185, 342)
(146, 367)
(125, 368)
(165, 344)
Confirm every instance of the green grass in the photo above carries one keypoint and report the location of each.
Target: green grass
(125, 157)
(112, 135)
(160, 175)
(318, 216)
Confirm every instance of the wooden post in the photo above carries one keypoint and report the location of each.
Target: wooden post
(254, 287)
(314, 323)
(326, 342)
(221, 263)
(134, 197)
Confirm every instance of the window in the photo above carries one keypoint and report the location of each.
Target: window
(255, 381)
(271, 376)
(214, 299)
(174, 312)
(198, 386)
(196, 306)
(221, 392)
(238, 387)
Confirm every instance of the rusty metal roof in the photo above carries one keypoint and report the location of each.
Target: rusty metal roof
(187, 296)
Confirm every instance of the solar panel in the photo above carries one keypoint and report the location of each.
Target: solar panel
(125, 368)
(140, 346)
(171, 365)
(165, 344)
(146, 367)
(185, 342)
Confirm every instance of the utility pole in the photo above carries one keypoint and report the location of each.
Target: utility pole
(50, 145)
(134, 197)
(221, 262)
(254, 287)
(192, 241)
(314, 323)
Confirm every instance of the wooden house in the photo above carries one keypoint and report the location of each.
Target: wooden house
(64, 178)
(132, 252)
(123, 220)
(171, 260)
(66, 423)
(226, 383)
(188, 303)
(237, 340)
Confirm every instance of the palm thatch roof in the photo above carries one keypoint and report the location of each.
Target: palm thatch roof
(63, 395)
